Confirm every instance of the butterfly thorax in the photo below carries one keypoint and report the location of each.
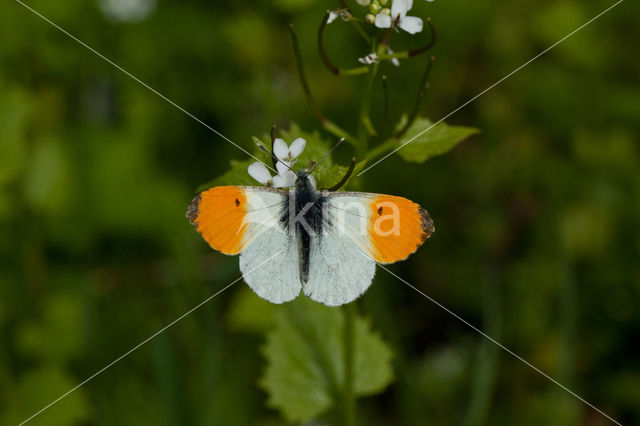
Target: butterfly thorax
(303, 218)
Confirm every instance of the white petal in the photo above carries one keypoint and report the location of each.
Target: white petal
(282, 166)
(297, 147)
(400, 7)
(280, 148)
(332, 16)
(284, 180)
(312, 180)
(411, 24)
(259, 172)
(394, 61)
(383, 21)
(371, 58)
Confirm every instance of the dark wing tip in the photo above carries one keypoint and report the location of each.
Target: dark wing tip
(193, 211)
(427, 223)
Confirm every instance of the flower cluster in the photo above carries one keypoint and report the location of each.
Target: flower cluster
(383, 16)
(287, 156)
(397, 17)
(386, 14)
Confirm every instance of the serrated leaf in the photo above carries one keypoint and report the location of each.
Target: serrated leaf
(437, 140)
(305, 351)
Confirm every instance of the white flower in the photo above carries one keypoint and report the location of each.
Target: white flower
(371, 58)
(259, 172)
(342, 13)
(398, 17)
(285, 180)
(287, 154)
(394, 61)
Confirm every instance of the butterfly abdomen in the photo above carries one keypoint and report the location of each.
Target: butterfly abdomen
(303, 219)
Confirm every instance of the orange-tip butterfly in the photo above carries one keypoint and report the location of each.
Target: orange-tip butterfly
(325, 243)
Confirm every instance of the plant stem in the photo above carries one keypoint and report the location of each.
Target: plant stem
(365, 127)
(422, 89)
(483, 386)
(327, 124)
(381, 149)
(348, 397)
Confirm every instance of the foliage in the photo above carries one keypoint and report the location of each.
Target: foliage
(537, 218)
(305, 353)
(438, 139)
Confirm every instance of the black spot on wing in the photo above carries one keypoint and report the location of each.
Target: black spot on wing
(427, 223)
(193, 211)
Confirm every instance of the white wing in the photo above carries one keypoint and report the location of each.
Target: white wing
(339, 269)
(360, 229)
(269, 262)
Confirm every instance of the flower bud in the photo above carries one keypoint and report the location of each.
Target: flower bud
(375, 7)
(386, 11)
(384, 2)
(370, 18)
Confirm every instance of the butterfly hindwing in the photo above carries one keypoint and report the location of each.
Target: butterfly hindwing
(339, 271)
(270, 265)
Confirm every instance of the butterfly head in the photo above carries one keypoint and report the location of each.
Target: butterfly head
(303, 178)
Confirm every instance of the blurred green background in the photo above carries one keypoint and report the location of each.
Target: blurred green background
(537, 218)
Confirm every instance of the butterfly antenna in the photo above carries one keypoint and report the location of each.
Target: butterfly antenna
(273, 142)
(326, 155)
(345, 178)
(276, 160)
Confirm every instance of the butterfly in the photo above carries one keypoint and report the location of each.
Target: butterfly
(324, 243)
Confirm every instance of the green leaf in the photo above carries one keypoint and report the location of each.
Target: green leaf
(437, 140)
(305, 351)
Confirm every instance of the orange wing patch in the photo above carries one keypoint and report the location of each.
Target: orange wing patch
(219, 216)
(397, 227)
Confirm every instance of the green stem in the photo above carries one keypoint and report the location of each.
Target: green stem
(568, 320)
(325, 58)
(355, 22)
(385, 111)
(484, 380)
(422, 90)
(381, 149)
(327, 124)
(365, 128)
(395, 55)
(349, 397)
(359, 29)
(353, 71)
